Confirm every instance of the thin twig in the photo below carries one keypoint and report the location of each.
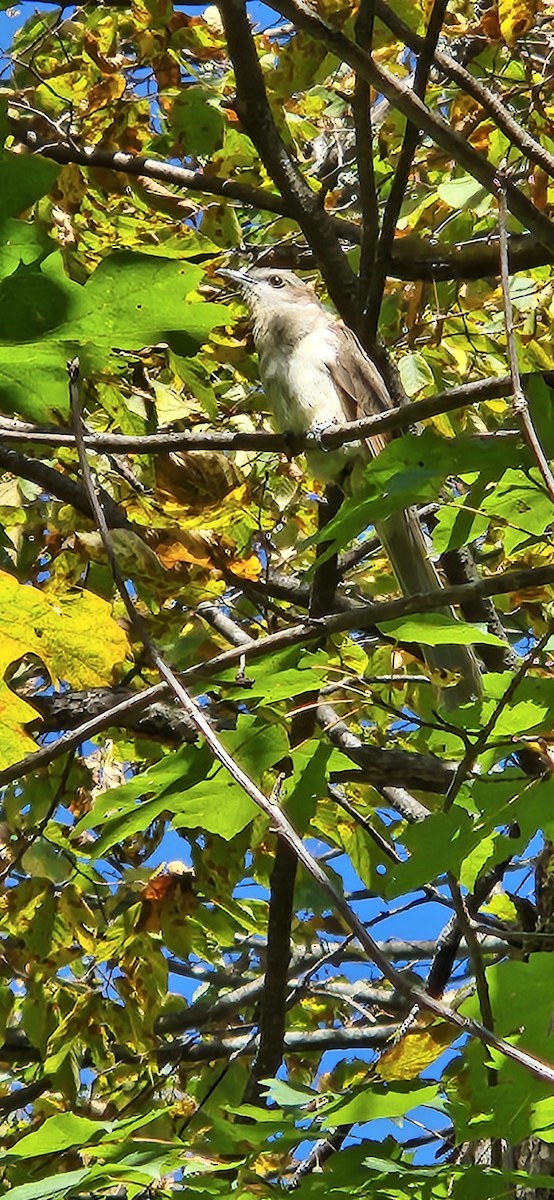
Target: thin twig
(398, 189)
(476, 748)
(520, 405)
(361, 108)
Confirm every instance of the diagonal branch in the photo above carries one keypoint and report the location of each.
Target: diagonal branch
(253, 108)
(411, 258)
(492, 104)
(403, 99)
(362, 617)
(56, 484)
(396, 197)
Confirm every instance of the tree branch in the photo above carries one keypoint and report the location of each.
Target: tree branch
(360, 617)
(476, 392)
(61, 486)
(520, 405)
(403, 99)
(273, 1006)
(393, 207)
(492, 104)
(361, 109)
(252, 106)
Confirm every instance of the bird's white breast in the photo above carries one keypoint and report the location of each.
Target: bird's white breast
(302, 394)
(298, 383)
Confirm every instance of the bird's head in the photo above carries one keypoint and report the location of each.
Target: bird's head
(273, 296)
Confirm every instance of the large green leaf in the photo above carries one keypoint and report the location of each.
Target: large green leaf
(373, 1102)
(24, 180)
(57, 1134)
(130, 301)
(411, 470)
(438, 629)
(21, 242)
(197, 791)
(55, 1185)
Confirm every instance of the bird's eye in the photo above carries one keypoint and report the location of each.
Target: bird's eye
(276, 281)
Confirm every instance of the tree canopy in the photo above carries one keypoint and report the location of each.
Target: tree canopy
(275, 914)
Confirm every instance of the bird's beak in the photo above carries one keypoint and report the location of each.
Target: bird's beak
(239, 277)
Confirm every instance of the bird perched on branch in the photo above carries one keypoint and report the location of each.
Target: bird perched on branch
(316, 374)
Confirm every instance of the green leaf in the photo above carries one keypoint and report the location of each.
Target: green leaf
(198, 121)
(373, 1103)
(21, 242)
(45, 860)
(189, 785)
(411, 470)
(438, 844)
(509, 1109)
(25, 178)
(415, 373)
(300, 793)
(130, 301)
(438, 629)
(287, 1096)
(280, 676)
(461, 193)
(124, 811)
(55, 1135)
(54, 1185)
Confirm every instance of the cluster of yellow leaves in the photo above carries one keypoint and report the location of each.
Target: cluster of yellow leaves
(73, 635)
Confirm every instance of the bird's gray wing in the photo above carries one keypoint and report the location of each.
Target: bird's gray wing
(363, 393)
(360, 384)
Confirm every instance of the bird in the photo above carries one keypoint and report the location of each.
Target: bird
(315, 374)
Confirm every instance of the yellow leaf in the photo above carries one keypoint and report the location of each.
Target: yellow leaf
(105, 93)
(415, 1051)
(516, 17)
(189, 546)
(75, 637)
(248, 568)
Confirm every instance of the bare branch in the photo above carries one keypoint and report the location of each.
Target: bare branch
(403, 98)
(360, 617)
(253, 108)
(520, 405)
(491, 103)
(398, 190)
(361, 109)
(476, 392)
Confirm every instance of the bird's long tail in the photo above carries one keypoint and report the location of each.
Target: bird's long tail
(404, 543)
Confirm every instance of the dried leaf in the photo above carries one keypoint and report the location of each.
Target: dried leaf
(415, 1051)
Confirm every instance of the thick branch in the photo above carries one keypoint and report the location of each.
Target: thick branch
(59, 485)
(305, 632)
(477, 392)
(272, 1019)
(419, 770)
(402, 98)
(252, 106)
(411, 257)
